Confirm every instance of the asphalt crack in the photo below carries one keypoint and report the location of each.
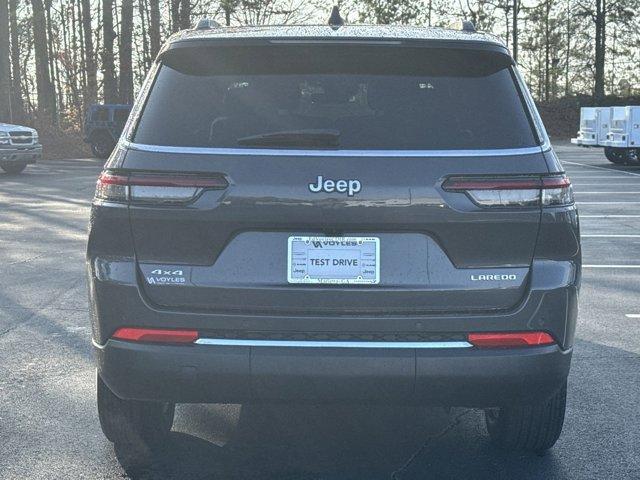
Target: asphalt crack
(397, 474)
(42, 308)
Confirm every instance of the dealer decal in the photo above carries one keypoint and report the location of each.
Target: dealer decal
(162, 276)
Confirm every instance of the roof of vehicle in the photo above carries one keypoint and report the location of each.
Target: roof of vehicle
(346, 32)
(9, 126)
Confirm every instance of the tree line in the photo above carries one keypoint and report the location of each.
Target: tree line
(57, 57)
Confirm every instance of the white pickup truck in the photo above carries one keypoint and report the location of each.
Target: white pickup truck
(617, 129)
(19, 146)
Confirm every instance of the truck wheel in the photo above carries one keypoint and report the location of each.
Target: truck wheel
(102, 145)
(13, 167)
(532, 427)
(616, 155)
(633, 156)
(135, 427)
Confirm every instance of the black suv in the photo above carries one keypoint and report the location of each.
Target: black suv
(103, 125)
(334, 214)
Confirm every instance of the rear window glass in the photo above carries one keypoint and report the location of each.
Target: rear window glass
(335, 97)
(120, 115)
(100, 115)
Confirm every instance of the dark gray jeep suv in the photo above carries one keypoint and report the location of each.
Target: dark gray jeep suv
(334, 214)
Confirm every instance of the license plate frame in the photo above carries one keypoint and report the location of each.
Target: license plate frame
(302, 249)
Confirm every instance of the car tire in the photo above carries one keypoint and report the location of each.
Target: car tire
(534, 428)
(619, 156)
(136, 428)
(102, 145)
(13, 167)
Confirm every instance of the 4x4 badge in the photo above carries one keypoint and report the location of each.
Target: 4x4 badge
(349, 186)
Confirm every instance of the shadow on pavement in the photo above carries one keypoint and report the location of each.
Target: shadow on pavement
(347, 443)
(339, 442)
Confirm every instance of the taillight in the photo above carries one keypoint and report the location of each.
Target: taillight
(513, 191)
(112, 187)
(155, 188)
(155, 335)
(556, 191)
(510, 339)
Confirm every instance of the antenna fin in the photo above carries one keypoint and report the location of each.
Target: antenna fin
(335, 20)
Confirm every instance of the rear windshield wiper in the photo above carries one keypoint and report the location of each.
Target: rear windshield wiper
(294, 138)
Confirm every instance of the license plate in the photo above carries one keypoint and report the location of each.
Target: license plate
(337, 260)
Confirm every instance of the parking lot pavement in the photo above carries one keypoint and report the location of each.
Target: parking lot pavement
(49, 426)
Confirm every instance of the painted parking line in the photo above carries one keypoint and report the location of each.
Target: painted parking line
(627, 168)
(596, 173)
(607, 203)
(607, 193)
(632, 315)
(610, 266)
(604, 235)
(579, 178)
(580, 167)
(605, 171)
(602, 168)
(590, 175)
(609, 216)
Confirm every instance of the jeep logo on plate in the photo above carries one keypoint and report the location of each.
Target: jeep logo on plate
(350, 187)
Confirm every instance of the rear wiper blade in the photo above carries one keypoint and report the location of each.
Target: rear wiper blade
(294, 138)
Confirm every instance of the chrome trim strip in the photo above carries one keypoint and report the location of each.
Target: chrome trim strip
(327, 344)
(498, 152)
(334, 40)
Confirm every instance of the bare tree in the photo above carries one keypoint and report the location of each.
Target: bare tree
(154, 27)
(515, 10)
(263, 12)
(185, 14)
(65, 54)
(174, 11)
(601, 13)
(228, 7)
(481, 13)
(108, 63)
(144, 56)
(386, 12)
(91, 92)
(17, 105)
(44, 85)
(53, 67)
(5, 63)
(180, 12)
(125, 50)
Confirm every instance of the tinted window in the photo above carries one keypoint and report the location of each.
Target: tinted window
(120, 115)
(100, 115)
(389, 98)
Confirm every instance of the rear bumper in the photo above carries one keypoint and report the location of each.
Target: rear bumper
(27, 154)
(617, 140)
(239, 374)
(585, 142)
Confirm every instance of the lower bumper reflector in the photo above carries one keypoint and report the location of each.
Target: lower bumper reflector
(510, 339)
(155, 335)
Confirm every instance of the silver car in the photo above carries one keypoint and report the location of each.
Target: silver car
(19, 146)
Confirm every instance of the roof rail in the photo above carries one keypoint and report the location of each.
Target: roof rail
(468, 26)
(206, 24)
